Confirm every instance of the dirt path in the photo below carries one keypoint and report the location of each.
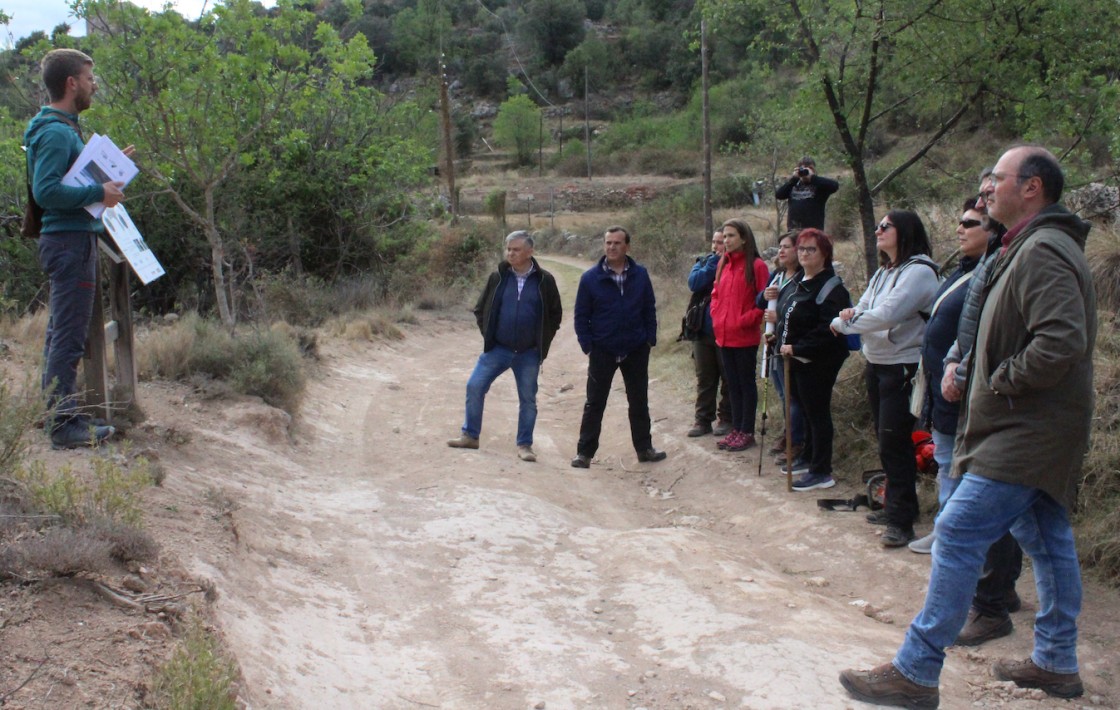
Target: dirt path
(371, 566)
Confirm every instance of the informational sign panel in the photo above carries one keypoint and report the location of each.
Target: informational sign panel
(131, 244)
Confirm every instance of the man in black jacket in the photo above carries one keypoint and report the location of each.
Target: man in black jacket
(518, 314)
(807, 192)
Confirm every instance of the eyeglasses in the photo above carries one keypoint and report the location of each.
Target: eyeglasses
(884, 226)
(806, 250)
(969, 223)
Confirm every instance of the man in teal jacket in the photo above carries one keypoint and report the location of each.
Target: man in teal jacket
(68, 239)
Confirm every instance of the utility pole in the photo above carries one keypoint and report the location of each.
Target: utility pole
(586, 123)
(708, 226)
(448, 146)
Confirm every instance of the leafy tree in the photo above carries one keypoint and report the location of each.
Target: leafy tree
(196, 99)
(517, 126)
(926, 66)
(553, 27)
(420, 33)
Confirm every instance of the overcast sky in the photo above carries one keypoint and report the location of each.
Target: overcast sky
(31, 15)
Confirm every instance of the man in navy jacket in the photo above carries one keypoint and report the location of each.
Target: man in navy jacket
(616, 324)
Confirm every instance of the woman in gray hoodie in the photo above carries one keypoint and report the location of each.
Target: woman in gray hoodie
(890, 319)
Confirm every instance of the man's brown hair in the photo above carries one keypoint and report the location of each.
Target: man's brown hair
(59, 65)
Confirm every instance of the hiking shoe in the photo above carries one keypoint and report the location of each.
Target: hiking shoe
(699, 429)
(80, 432)
(884, 685)
(744, 442)
(800, 466)
(726, 441)
(463, 441)
(895, 536)
(1014, 603)
(924, 545)
(1026, 674)
(581, 461)
(780, 459)
(780, 446)
(651, 455)
(981, 628)
(877, 517)
(723, 428)
(525, 453)
(812, 481)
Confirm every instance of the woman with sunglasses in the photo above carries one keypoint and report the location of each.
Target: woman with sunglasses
(973, 236)
(737, 321)
(890, 319)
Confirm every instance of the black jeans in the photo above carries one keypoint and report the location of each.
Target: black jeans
(738, 366)
(813, 383)
(1002, 568)
(601, 367)
(709, 382)
(888, 393)
(70, 260)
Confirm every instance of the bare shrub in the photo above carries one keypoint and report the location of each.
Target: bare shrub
(1103, 251)
(20, 410)
(64, 552)
(126, 543)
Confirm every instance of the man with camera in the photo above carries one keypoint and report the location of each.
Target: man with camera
(807, 193)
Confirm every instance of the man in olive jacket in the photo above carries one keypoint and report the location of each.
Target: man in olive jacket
(518, 314)
(1024, 431)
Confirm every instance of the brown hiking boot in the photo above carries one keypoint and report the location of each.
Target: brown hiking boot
(981, 628)
(722, 428)
(886, 686)
(1026, 674)
(463, 442)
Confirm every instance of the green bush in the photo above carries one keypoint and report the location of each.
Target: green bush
(199, 675)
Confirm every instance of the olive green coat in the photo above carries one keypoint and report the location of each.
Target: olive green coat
(1029, 403)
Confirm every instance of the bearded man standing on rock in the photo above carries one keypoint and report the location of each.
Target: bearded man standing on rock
(616, 324)
(1032, 361)
(518, 314)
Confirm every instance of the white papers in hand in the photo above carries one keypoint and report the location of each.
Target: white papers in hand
(101, 161)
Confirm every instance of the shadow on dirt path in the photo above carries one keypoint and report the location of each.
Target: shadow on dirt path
(374, 567)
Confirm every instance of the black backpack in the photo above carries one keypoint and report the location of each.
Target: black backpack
(692, 324)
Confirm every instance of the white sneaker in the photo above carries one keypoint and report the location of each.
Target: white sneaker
(923, 545)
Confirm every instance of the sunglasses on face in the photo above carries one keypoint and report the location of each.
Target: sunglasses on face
(969, 223)
(884, 226)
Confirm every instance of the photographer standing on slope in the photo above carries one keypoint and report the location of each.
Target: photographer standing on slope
(807, 192)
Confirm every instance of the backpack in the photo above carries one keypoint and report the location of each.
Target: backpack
(32, 223)
(852, 340)
(693, 322)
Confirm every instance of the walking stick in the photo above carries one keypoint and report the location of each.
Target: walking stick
(767, 354)
(789, 429)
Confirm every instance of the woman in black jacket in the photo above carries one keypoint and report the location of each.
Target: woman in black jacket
(815, 353)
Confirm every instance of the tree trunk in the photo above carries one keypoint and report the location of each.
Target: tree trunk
(217, 261)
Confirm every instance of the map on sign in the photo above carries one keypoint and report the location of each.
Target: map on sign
(131, 245)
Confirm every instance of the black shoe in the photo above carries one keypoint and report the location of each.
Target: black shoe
(581, 461)
(79, 432)
(895, 536)
(877, 517)
(651, 454)
(981, 629)
(699, 429)
(1014, 603)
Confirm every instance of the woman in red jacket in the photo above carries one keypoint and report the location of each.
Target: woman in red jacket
(737, 322)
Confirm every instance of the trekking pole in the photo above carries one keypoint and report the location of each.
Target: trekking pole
(789, 429)
(767, 356)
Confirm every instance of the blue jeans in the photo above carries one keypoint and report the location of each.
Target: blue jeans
(70, 260)
(979, 513)
(525, 366)
(943, 455)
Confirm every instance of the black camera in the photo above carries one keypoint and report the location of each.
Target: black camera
(803, 171)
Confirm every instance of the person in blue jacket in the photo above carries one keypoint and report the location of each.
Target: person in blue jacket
(68, 238)
(710, 379)
(616, 325)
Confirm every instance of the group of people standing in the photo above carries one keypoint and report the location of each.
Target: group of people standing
(999, 346)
